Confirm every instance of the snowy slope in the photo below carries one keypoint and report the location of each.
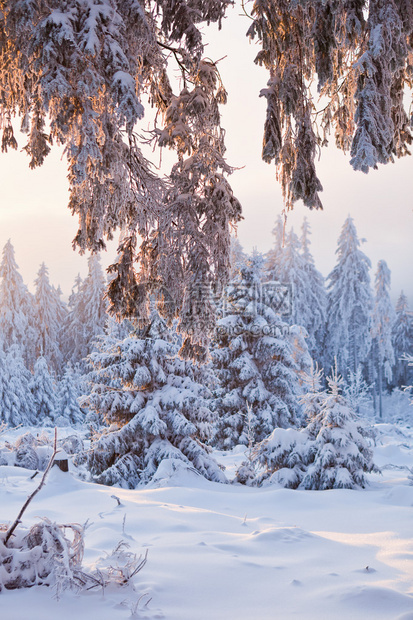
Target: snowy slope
(220, 552)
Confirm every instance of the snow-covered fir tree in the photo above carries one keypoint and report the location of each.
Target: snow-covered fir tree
(49, 312)
(381, 330)
(16, 400)
(16, 307)
(72, 332)
(349, 304)
(298, 336)
(281, 457)
(253, 358)
(157, 406)
(402, 339)
(317, 296)
(62, 308)
(409, 388)
(92, 293)
(342, 454)
(307, 289)
(313, 392)
(87, 316)
(43, 388)
(356, 390)
(273, 257)
(292, 271)
(69, 392)
(237, 256)
(332, 452)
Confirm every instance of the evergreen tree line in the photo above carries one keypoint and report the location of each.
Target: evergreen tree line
(345, 319)
(260, 385)
(44, 343)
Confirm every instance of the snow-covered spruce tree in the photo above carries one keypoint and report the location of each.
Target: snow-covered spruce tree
(50, 314)
(349, 304)
(297, 337)
(381, 330)
(332, 452)
(72, 331)
(307, 289)
(253, 358)
(341, 451)
(16, 307)
(237, 256)
(402, 339)
(317, 296)
(314, 393)
(273, 257)
(87, 316)
(292, 271)
(69, 392)
(356, 390)
(409, 388)
(156, 404)
(282, 456)
(16, 400)
(44, 393)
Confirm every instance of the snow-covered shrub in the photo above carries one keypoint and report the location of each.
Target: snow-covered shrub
(41, 555)
(397, 407)
(34, 452)
(117, 568)
(49, 554)
(73, 444)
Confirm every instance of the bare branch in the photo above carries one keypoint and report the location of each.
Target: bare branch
(29, 499)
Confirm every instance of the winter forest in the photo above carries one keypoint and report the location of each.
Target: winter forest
(197, 431)
(303, 376)
(286, 342)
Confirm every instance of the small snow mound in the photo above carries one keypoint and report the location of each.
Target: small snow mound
(281, 534)
(296, 582)
(9, 471)
(174, 472)
(399, 496)
(60, 482)
(380, 600)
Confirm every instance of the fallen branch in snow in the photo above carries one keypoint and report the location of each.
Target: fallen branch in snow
(10, 531)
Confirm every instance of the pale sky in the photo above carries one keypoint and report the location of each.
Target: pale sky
(34, 214)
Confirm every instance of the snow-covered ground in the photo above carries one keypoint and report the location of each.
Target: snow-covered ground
(229, 552)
